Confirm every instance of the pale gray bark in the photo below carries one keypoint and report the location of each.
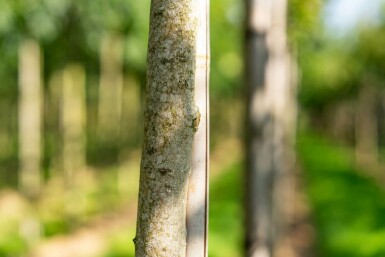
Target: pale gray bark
(284, 189)
(268, 83)
(171, 120)
(280, 99)
(259, 141)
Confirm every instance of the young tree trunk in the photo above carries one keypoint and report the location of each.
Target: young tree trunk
(73, 111)
(131, 111)
(366, 127)
(267, 76)
(30, 118)
(171, 119)
(280, 98)
(111, 86)
(259, 134)
(52, 116)
(30, 107)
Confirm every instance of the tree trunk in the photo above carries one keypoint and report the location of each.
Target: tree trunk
(111, 86)
(259, 134)
(30, 107)
(366, 127)
(281, 100)
(73, 111)
(267, 77)
(52, 115)
(171, 120)
(30, 118)
(131, 111)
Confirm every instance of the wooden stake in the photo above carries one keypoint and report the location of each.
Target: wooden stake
(197, 201)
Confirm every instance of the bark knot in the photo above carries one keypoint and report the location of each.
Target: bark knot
(196, 120)
(164, 171)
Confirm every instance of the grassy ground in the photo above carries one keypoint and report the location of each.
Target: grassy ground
(226, 213)
(348, 207)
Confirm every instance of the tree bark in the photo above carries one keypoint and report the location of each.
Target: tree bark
(171, 120)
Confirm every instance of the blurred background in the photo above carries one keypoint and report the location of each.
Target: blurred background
(72, 78)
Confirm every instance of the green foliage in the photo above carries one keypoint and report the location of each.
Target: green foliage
(12, 245)
(226, 51)
(347, 207)
(329, 74)
(226, 213)
(304, 23)
(333, 69)
(370, 52)
(121, 244)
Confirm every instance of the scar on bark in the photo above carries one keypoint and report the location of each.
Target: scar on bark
(164, 171)
(196, 120)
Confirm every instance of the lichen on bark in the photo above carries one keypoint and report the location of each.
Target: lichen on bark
(168, 131)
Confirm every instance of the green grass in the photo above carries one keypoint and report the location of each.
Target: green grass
(226, 218)
(121, 244)
(348, 208)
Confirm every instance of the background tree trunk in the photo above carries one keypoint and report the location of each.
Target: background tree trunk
(171, 120)
(73, 113)
(111, 86)
(30, 118)
(269, 92)
(366, 127)
(30, 121)
(260, 132)
(283, 107)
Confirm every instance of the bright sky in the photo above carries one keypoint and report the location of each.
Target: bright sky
(343, 15)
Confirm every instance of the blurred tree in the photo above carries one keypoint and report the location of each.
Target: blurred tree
(366, 126)
(111, 86)
(271, 79)
(270, 111)
(30, 124)
(369, 57)
(73, 118)
(259, 132)
(30, 118)
(171, 119)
